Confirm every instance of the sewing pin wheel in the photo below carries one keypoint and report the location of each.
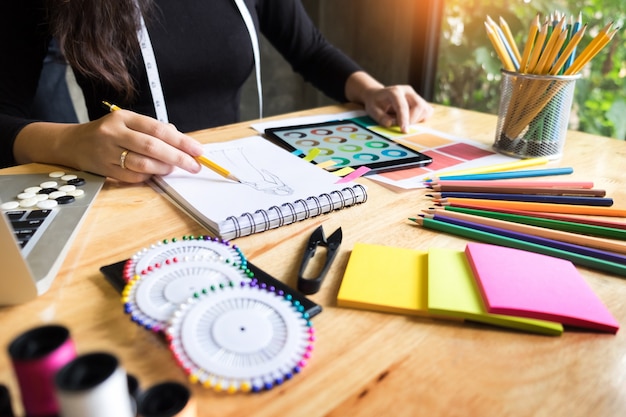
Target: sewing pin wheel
(152, 297)
(189, 247)
(241, 338)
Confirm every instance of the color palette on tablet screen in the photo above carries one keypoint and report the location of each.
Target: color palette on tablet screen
(348, 144)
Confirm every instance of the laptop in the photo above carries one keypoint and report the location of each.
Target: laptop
(34, 241)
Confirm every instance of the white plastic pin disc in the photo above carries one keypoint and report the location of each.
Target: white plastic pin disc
(180, 249)
(56, 174)
(243, 338)
(151, 298)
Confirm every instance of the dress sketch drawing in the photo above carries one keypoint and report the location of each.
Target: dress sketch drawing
(256, 177)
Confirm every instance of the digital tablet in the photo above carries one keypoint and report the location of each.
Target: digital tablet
(348, 145)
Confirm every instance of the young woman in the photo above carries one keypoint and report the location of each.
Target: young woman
(185, 74)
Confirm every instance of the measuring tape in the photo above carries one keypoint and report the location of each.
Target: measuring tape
(152, 71)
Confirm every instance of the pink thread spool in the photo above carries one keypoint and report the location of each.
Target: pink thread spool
(36, 356)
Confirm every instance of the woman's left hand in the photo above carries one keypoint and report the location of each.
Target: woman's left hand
(397, 105)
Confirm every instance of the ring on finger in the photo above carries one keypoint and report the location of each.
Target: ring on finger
(123, 156)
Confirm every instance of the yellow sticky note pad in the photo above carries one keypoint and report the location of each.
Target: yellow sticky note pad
(385, 279)
(453, 292)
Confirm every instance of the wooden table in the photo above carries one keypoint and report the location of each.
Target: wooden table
(364, 363)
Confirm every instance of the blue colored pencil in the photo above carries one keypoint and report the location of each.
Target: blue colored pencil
(510, 174)
(538, 198)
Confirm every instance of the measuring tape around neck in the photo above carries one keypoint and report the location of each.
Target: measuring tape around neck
(152, 71)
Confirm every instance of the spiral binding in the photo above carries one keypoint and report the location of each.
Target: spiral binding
(287, 212)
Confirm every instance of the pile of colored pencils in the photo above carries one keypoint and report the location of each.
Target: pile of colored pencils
(564, 219)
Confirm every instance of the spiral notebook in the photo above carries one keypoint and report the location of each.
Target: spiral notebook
(277, 188)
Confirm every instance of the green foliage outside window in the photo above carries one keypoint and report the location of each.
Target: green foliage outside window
(469, 69)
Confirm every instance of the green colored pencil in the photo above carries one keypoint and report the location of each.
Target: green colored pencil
(494, 239)
(573, 227)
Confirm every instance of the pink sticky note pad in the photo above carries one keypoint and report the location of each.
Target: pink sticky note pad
(526, 284)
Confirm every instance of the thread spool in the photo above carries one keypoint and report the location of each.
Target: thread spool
(93, 385)
(167, 399)
(36, 356)
(6, 409)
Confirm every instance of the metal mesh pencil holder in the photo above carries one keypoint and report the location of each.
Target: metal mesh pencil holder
(533, 114)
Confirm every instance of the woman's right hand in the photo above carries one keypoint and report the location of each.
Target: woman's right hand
(123, 145)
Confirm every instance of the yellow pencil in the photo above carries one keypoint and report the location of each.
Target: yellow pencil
(538, 48)
(509, 36)
(201, 159)
(596, 45)
(553, 52)
(504, 166)
(550, 42)
(569, 49)
(111, 107)
(216, 168)
(532, 34)
(505, 59)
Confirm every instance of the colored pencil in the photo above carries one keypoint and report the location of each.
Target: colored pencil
(505, 166)
(568, 52)
(510, 39)
(543, 207)
(594, 47)
(495, 239)
(575, 28)
(543, 198)
(543, 215)
(566, 226)
(503, 54)
(590, 192)
(609, 256)
(509, 174)
(515, 183)
(501, 46)
(547, 53)
(541, 232)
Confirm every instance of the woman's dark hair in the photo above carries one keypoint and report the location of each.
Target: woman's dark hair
(99, 38)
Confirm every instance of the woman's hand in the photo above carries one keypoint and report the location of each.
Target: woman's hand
(122, 145)
(397, 105)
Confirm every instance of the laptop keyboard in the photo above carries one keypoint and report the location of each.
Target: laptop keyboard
(29, 224)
